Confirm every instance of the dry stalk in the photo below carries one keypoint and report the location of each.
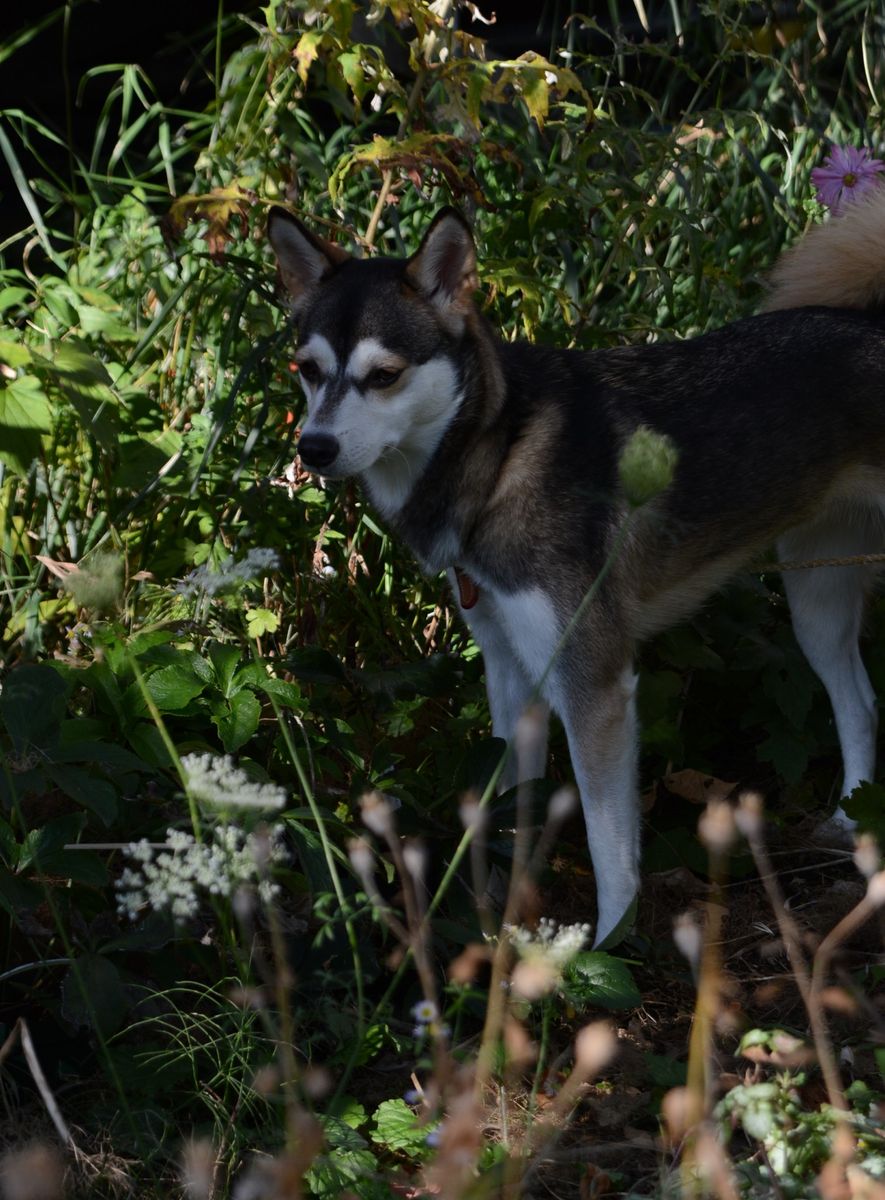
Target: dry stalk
(21, 1033)
(716, 831)
(750, 822)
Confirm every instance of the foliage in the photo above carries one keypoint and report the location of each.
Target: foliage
(632, 183)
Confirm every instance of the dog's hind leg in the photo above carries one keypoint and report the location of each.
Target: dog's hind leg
(827, 605)
(601, 724)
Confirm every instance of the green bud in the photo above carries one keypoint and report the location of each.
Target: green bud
(99, 584)
(646, 465)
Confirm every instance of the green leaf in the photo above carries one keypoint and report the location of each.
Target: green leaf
(147, 742)
(866, 805)
(24, 416)
(225, 659)
(787, 752)
(95, 794)
(153, 933)
(311, 855)
(8, 844)
(283, 692)
(80, 866)
(17, 893)
(599, 979)
(664, 1071)
(23, 405)
(32, 705)
(10, 297)
(92, 995)
(349, 1166)
(76, 748)
(172, 688)
(315, 665)
(240, 722)
(261, 620)
(98, 320)
(788, 693)
(41, 844)
(14, 353)
(397, 1128)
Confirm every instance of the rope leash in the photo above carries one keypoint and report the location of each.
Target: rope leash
(854, 560)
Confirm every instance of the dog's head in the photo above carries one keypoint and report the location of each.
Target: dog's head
(376, 348)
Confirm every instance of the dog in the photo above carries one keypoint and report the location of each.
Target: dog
(498, 462)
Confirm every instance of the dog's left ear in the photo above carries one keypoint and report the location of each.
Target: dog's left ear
(303, 258)
(443, 267)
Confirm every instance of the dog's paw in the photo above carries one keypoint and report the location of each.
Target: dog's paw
(837, 831)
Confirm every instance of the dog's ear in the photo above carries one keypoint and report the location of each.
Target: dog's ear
(303, 257)
(443, 268)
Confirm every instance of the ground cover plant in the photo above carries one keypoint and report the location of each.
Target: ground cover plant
(269, 932)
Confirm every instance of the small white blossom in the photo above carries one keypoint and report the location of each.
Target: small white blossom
(425, 1011)
(552, 943)
(230, 575)
(176, 878)
(216, 782)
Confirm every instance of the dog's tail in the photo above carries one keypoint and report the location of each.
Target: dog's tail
(840, 264)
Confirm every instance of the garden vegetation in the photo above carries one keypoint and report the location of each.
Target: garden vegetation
(269, 931)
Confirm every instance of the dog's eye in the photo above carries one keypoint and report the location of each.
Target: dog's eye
(309, 371)
(382, 378)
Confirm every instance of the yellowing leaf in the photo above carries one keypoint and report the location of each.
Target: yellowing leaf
(536, 93)
(306, 53)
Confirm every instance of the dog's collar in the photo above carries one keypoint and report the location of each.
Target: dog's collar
(468, 589)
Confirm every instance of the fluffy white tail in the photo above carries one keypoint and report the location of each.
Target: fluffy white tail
(840, 264)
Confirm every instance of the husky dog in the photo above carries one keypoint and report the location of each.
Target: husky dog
(498, 461)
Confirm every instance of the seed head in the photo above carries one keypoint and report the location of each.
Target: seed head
(646, 465)
(716, 828)
(749, 815)
(866, 855)
(377, 814)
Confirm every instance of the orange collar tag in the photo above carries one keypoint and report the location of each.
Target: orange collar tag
(468, 591)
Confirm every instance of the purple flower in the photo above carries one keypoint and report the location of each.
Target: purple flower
(846, 174)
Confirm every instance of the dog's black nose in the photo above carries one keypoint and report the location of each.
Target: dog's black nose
(318, 450)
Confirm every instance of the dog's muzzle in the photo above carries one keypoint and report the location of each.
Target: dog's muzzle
(318, 450)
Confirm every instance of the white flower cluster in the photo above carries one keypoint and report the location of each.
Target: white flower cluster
(543, 953)
(550, 943)
(174, 878)
(213, 780)
(203, 581)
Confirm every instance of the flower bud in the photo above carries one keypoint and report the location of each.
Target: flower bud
(595, 1045)
(866, 855)
(415, 858)
(688, 937)
(361, 859)
(646, 465)
(749, 814)
(716, 827)
(377, 813)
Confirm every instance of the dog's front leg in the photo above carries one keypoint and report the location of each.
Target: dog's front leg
(510, 691)
(599, 715)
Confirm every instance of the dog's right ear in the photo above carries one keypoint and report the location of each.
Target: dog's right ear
(443, 268)
(303, 258)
